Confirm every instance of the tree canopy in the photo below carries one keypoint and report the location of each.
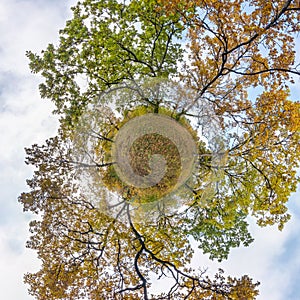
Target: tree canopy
(221, 71)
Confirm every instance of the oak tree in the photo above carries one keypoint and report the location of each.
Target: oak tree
(222, 69)
(87, 252)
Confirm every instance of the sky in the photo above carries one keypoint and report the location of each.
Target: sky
(273, 258)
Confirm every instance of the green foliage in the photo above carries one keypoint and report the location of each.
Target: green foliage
(140, 153)
(106, 43)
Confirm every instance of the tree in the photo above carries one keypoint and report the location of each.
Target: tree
(104, 44)
(99, 237)
(87, 252)
(248, 62)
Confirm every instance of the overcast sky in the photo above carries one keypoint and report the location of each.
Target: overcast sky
(274, 257)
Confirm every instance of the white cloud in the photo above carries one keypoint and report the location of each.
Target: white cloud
(24, 120)
(15, 261)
